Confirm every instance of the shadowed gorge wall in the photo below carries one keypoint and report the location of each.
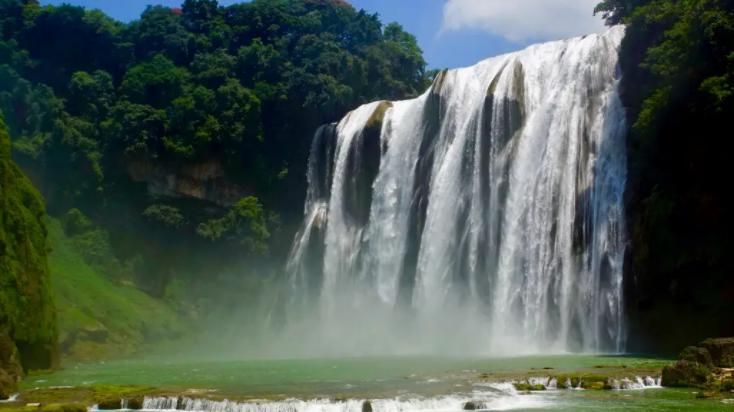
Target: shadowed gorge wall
(678, 88)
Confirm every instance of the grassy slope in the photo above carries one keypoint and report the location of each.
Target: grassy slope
(99, 318)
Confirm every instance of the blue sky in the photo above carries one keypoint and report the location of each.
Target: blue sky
(452, 33)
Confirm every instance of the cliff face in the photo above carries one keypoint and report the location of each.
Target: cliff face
(206, 180)
(27, 319)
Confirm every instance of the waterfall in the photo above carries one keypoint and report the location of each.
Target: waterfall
(483, 217)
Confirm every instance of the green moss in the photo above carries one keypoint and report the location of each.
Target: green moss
(377, 117)
(26, 306)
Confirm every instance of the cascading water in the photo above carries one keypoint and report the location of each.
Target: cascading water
(483, 217)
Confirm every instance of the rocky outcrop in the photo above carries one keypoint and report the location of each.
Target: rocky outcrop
(706, 365)
(206, 180)
(721, 351)
(686, 374)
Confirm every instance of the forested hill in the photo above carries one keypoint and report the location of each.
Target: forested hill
(189, 127)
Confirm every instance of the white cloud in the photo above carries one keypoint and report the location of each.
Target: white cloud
(522, 20)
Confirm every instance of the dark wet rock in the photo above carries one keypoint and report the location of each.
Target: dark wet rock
(474, 405)
(366, 406)
(135, 403)
(109, 404)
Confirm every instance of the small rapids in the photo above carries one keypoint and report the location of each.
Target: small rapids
(486, 396)
(500, 396)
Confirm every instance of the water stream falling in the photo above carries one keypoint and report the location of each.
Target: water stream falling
(483, 217)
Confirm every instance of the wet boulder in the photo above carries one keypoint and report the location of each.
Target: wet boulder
(474, 405)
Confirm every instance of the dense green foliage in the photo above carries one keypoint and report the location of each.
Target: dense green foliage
(247, 84)
(215, 99)
(678, 67)
(26, 308)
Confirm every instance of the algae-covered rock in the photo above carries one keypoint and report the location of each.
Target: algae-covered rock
(64, 407)
(721, 351)
(567, 382)
(526, 386)
(109, 404)
(137, 403)
(685, 374)
(595, 385)
(366, 406)
(8, 385)
(696, 354)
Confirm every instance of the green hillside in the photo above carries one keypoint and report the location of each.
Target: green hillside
(98, 317)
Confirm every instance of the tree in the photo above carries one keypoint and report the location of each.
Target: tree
(155, 82)
(161, 31)
(244, 223)
(90, 95)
